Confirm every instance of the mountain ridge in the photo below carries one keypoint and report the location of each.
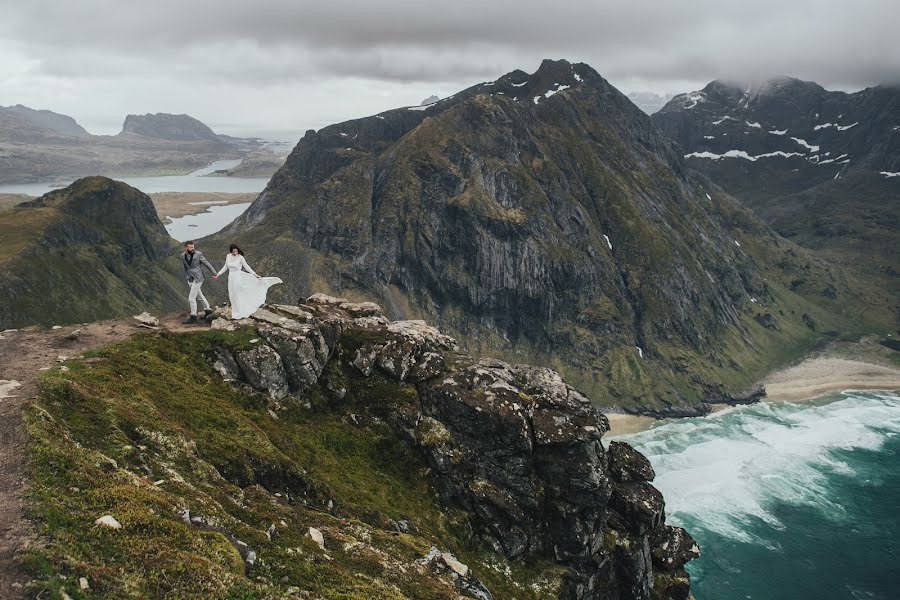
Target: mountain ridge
(544, 216)
(815, 164)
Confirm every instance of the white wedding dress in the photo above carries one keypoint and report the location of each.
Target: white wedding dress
(246, 290)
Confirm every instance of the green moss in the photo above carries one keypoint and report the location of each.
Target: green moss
(144, 430)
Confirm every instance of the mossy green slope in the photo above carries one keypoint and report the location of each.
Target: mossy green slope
(93, 250)
(145, 430)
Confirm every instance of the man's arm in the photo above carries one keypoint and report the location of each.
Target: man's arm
(206, 264)
(184, 266)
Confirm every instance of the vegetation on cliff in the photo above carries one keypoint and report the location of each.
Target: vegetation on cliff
(212, 486)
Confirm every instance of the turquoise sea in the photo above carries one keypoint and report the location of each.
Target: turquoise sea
(789, 501)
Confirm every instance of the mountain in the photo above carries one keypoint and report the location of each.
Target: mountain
(429, 100)
(23, 124)
(822, 167)
(40, 146)
(322, 451)
(93, 250)
(168, 127)
(649, 102)
(544, 218)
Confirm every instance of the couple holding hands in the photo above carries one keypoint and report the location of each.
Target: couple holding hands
(246, 289)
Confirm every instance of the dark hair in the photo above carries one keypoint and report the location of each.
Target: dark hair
(234, 247)
(189, 242)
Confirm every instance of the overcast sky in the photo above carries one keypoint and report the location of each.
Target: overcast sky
(272, 67)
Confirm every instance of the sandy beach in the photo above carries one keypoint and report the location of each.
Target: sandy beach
(620, 423)
(821, 375)
(863, 365)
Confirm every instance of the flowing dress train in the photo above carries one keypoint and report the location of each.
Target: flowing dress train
(246, 291)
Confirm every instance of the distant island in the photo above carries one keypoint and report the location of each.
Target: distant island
(41, 145)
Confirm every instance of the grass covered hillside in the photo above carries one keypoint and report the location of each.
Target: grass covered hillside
(93, 250)
(209, 474)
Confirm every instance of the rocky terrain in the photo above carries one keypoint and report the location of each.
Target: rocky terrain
(323, 451)
(543, 217)
(38, 146)
(93, 250)
(822, 167)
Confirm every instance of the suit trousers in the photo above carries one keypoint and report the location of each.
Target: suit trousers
(195, 295)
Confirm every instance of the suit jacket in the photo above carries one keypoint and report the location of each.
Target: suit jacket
(193, 266)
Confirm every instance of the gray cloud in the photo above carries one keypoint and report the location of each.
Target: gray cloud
(379, 53)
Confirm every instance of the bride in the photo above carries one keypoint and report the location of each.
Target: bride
(246, 289)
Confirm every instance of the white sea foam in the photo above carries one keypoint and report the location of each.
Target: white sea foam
(725, 470)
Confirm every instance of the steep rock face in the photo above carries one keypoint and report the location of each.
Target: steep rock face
(168, 127)
(514, 445)
(822, 167)
(540, 216)
(93, 250)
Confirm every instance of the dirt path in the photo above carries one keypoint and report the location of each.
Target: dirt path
(23, 355)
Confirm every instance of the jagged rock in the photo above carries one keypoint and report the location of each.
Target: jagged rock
(455, 566)
(108, 521)
(317, 537)
(293, 311)
(320, 298)
(672, 547)
(262, 368)
(226, 366)
(627, 464)
(640, 504)
(515, 446)
(146, 319)
(222, 324)
(362, 309)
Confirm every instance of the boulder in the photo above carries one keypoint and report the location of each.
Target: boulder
(145, 319)
(109, 522)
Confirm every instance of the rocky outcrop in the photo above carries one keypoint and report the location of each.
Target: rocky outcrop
(514, 445)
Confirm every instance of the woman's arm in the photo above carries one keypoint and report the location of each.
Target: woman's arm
(224, 267)
(246, 266)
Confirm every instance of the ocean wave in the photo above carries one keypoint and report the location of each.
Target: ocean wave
(726, 471)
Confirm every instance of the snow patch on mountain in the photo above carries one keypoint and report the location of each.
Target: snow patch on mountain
(741, 154)
(805, 144)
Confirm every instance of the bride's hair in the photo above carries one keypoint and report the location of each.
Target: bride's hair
(234, 247)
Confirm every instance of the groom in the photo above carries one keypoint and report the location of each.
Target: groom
(193, 261)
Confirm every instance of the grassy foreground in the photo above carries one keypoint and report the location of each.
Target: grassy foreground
(144, 430)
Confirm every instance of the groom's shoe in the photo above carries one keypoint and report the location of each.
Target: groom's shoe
(192, 320)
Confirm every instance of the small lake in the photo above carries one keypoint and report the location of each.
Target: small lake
(192, 182)
(206, 223)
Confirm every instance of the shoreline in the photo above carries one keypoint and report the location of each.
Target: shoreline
(840, 367)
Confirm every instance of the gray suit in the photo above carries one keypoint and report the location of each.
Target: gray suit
(192, 266)
(193, 272)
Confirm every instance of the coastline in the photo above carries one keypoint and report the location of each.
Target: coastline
(863, 365)
(817, 376)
